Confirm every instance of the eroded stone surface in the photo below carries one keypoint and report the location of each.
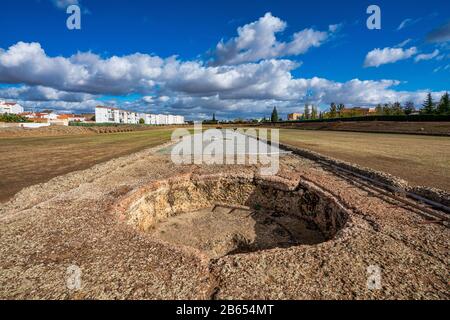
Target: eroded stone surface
(206, 212)
(152, 204)
(71, 221)
(218, 232)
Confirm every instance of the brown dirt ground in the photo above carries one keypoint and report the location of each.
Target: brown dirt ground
(422, 128)
(69, 131)
(420, 160)
(67, 221)
(30, 160)
(34, 157)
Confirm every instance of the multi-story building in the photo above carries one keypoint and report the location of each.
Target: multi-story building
(10, 107)
(149, 118)
(106, 115)
(179, 120)
(294, 116)
(162, 119)
(115, 115)
(357, 111)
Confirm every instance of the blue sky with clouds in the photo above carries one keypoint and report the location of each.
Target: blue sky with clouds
(235, 58)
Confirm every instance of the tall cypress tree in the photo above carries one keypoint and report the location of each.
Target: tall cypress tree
(428, 105)
(333, 110)
(314, 112)
(444, 104)
(340, 109)
(274, 117)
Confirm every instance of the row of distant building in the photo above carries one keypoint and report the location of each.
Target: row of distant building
(360, 111)
(10, 108)
(119, 116)
(102, 115)
(44, 118)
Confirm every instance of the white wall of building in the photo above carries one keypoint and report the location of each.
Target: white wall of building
(51, 116)
(77, 119)
(103, 115)
(113, 115)
(13, 108)
(161, 119)
(28, 125)
(179, 120)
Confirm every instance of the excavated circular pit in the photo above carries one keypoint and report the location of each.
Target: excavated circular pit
(221, 215)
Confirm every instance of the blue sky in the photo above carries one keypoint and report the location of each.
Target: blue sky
(189, 75)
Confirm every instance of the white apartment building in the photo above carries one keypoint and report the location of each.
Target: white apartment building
(10, 107)
(150, 119)
(51, 116)
(162, 119)
(179, 120)
(114, 115)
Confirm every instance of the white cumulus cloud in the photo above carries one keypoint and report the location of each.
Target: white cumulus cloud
(257, 41)
(41, 93)
(171, 85)
(247, 76)
(427, 56)
(378, 57)
(63, 4)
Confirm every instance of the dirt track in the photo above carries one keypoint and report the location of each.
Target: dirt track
(70, 221)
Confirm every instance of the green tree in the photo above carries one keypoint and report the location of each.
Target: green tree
(444, 104)
(333, 110)
(379, 109)
(141, 121)
(428, 105)
(274, 117)
(314, 113)
(397, 109)
(409, 108)
(307, 113)
(340, 109)
(387, 109)
(6, 117)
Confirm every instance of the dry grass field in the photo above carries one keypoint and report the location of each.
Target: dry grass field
(421, 160)
(422, 128)
(26, 161)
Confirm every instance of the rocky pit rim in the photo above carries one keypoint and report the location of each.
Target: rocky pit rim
(224, 214)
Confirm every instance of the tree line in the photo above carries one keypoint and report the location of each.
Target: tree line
(429, 107)
(8, 117)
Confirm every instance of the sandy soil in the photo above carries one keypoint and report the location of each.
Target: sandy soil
(69, 221)
(218, 233)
